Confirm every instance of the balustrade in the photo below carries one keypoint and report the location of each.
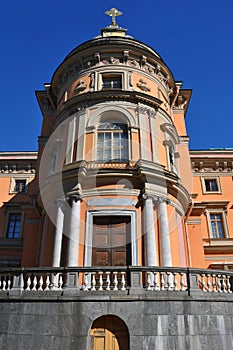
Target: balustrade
(114, 279)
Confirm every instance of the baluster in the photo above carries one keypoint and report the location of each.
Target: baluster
(219, 283)
(228, 284)
(101, 282)
(115, 281)
(85, 281)
(122, 280)
(34, 283)
(55, 280)
(4, 285)
(203, 282)
(170, 285)
(214, 283)
(108, 280)
(162, 281)
(224, 286)
(208, 282)
(28, 283)
(9, 283)
(52, 285)
(175, 281)
(156, 281)
(182, 284)
(47, 283)
(93, 281)
(40, 283)
(60, 282)
(149, 281)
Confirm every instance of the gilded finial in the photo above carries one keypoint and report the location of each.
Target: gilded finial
(113, 13)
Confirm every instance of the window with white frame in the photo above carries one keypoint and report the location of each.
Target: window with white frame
(217, 228)
(112, 82)
(112, 142)
(14, 225)
(211, 185)
(19, 185)
(217, 224)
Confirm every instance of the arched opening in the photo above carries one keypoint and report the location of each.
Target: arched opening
(109, 333)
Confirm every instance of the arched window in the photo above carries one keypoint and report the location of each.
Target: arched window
(112, 142)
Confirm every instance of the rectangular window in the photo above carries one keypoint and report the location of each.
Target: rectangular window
(217, 227)
(14, 225)
(114, 82)
(211, 185)
(20, 186)
(112, 142)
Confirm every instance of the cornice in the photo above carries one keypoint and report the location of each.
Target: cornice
(212, 165)
(110, 95)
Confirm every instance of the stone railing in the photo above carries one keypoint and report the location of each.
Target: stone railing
(136, 279)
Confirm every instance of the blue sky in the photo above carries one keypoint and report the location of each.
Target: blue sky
(194, 38)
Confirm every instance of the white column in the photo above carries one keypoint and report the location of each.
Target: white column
(74, 232)
(164, 235)
(149, 231)
(58, 235)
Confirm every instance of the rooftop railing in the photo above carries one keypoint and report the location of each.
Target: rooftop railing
(114, 279)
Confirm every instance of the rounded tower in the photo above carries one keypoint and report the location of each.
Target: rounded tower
(114, 161)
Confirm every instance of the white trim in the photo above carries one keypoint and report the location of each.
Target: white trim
(217, 178)
(108, 212)
(111, 131)
(112, 112)
(13, 183)
(224, 222)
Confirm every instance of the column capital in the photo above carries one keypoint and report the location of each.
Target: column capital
(163, 200)
(74, 197)
(156, 199)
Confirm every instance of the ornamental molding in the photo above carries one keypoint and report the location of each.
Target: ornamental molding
(171, 131)
(212, 166)
(142, 84)
(124, 59)
(111, 60)
(80, 86)
(156, 199)
(145, 110)
(16, 168)
(180, 103)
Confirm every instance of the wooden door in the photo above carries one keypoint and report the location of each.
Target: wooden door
(109, 333)
(111, 241)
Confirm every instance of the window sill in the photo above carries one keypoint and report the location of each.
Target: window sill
(218, 245)
(11, 243)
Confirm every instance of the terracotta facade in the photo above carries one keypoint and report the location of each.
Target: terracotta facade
(114, 152)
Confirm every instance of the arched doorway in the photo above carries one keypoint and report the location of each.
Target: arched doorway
(109, 333)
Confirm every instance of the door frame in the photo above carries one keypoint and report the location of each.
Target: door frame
(110, 212)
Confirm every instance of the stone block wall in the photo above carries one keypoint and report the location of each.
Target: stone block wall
(161, 322)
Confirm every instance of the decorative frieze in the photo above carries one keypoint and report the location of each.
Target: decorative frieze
(17, 168)
(156, 70)
(211, 166)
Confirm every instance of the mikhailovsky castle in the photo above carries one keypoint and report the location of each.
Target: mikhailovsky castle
(115, 235)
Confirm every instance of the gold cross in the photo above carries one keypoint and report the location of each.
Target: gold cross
(113, 13)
